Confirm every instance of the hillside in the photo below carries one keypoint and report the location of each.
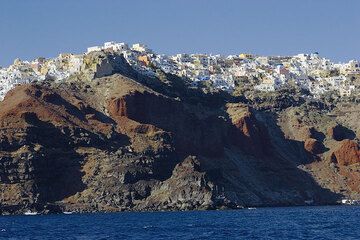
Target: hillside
(111, 138)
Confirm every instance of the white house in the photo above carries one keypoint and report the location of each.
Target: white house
(140, 47)
(335, 81)
(116, 46)
(265, 87)
(94, 49)
(75, 63)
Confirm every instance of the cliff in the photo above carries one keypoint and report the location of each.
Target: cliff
(122, 141)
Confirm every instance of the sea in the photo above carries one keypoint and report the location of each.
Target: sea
(327, 222)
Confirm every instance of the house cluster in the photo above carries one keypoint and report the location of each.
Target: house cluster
(138, 55)
(18, 73)
(262, 73)
(350, 202)
(21, 72)
(266, 73)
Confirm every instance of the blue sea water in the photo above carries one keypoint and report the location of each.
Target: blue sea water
(333, 222)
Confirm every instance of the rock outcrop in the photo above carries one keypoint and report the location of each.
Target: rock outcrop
(188, 188)
(313, 146)
(348, 153)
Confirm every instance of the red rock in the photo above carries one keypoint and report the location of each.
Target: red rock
(190, 133)
(246, 133)
(117, 107)
(313, 146)
(348, 153)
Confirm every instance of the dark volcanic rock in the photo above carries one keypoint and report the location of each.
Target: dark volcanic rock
(187, 188)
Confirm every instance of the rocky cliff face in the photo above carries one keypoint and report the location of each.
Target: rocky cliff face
(124, 142)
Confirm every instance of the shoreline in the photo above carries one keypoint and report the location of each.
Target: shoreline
(29, 212)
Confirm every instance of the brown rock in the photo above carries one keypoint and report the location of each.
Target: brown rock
(306, 132)
(190, 133)
(246, 133)
(117, 107)
(348, 153)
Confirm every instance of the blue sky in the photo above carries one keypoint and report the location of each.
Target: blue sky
(29, 29)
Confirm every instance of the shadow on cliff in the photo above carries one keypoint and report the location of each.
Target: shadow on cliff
(287, 155)
(194, 133)
(340, 132)
(275, 158)
(286, 148)
(57, 174)
(83, 112)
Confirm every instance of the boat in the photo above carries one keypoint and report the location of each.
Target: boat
(29, 213)
(346, 201)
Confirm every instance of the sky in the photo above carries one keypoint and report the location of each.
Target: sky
(30, 29)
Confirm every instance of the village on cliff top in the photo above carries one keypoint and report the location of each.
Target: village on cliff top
(311, 72)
